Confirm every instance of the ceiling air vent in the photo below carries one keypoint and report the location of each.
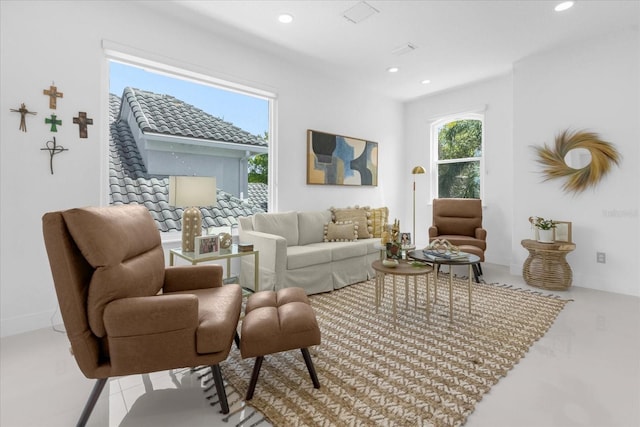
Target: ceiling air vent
(360, 12)
(403, 49)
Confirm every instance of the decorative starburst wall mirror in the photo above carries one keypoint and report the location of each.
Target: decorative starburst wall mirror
(582, 158)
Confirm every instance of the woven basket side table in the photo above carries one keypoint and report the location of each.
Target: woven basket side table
(547, 267)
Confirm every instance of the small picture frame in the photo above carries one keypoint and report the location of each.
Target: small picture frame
(405, 239)
(206, 246)
(562, 232)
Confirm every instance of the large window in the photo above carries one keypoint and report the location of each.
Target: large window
(457, 147)
(165, 123)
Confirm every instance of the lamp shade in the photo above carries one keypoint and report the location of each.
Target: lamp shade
(187, 191)
(417, 170)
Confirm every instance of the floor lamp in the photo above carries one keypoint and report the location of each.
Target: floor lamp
(415, 171)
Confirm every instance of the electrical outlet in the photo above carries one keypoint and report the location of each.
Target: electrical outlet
(601, 257)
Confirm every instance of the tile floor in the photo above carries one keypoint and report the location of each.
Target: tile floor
(584, 372)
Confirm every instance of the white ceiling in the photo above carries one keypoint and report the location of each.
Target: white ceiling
(458, 42)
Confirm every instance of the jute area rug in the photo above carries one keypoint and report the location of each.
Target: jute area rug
(413, 371)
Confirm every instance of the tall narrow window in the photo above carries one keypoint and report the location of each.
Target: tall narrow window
(457, 147)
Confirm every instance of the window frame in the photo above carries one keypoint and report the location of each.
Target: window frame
(435, 160)
(114, 52)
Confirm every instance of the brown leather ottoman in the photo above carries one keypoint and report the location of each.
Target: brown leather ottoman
(275, 322)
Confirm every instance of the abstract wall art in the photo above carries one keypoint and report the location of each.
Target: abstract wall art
(341, 160)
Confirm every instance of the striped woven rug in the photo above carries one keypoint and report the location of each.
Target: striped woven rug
(413, 371)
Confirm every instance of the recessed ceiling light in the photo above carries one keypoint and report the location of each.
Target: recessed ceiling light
(285, 18)
(393, 69)
(425, 82)
(563, 6)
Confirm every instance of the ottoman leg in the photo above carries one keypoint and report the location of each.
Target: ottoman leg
(222, 394)
(310, 368)
(254, 377)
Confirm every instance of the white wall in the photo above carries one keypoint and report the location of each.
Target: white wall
(495, 97)
(60, 41)
(592, 85)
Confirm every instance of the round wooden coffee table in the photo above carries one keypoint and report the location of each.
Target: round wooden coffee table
(404, 268)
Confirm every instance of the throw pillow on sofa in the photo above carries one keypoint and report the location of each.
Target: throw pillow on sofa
(340, 231)
(356, 215)
(379, 218)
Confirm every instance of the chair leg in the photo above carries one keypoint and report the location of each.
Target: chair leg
(310, 368)
(91, 402)
(476, 272)
(254, 377)
(236, 339)
(222, 394)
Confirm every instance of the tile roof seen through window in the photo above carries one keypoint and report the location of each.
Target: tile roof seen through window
(129, 181)
(168, 115)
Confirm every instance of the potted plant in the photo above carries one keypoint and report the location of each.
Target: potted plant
(545, 229)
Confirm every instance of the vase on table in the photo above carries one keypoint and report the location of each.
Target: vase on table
(545, 236)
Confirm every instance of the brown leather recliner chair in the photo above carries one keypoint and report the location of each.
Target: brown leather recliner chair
(460, 222)
(124, 312)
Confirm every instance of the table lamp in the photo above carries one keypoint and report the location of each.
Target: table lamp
(191, 192)
(415, 171)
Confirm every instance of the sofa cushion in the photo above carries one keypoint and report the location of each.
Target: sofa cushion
(340, 231)
(308, 255)
(311, 226)
(283, 224)
(379, 218)
(356, 214)
(348, 250)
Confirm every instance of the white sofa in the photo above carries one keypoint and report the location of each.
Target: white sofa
(293, 253)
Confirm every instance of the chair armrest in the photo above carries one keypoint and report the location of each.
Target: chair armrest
(189, 277)
(433, 232)
(151, 315)
(481, 234)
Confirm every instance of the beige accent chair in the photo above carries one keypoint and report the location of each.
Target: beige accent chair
(124, 312)
(460, 222)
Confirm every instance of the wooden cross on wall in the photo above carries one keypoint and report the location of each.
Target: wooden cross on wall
(82, 121)
(53, 94)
